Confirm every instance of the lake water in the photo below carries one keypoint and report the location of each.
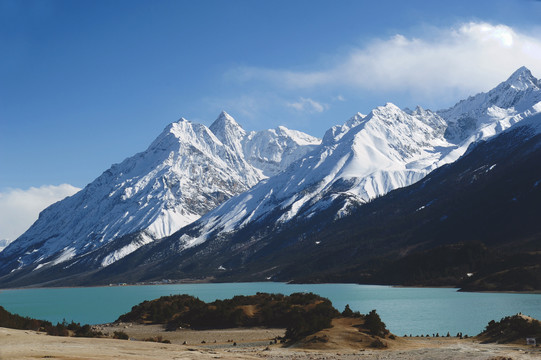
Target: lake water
(405, 310)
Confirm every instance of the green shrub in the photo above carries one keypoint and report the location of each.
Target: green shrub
(14, 321)
(375, 326)
(512, 328)
(347, 311)
(304, 322)
(86, 331)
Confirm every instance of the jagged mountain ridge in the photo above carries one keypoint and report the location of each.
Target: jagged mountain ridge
(514, 96)
(369, 156)
(184, 173)
(270, 151)
(356, 162)
(490, 195)
(365, 158)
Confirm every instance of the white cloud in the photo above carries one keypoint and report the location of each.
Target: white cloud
(308, 105)
(469, 58)
(20, 208)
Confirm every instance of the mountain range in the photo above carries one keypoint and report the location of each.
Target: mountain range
(221, 203)
(188, 170)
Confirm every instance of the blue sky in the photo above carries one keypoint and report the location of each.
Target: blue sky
(85, 84)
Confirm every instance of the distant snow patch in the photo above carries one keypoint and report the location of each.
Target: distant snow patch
(126, 250)
(66, 255)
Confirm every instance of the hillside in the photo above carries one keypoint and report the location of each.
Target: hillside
(446, 198)
(476, 216)
(301, 314)
(511, 329)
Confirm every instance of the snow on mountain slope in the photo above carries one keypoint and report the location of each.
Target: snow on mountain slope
(190, 169)
(487, 114)
(371, 155)
(509, 98)
(3, 244)
(364, 158)
(270, 150)
(187, 171)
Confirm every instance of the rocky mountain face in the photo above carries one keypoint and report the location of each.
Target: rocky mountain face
(369, 156)
(477, 216)
(356, 163)
(187, 171)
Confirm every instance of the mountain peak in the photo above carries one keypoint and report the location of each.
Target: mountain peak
(388, 107)
(386, 111)
(522, 79)
(520, 72)
(228, 131)
(224, 119)
(224, 122)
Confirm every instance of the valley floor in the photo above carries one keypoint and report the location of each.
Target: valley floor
(250, 344)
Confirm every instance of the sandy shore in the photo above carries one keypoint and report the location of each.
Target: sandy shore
(250, 344)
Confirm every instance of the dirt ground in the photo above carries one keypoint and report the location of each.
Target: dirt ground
(343, 341)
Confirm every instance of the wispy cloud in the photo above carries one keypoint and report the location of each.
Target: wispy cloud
(464, 59)
(308, 105)
(19, 208)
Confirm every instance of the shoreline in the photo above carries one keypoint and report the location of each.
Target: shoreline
(202, 281)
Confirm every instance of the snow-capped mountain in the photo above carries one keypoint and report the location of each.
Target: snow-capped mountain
(356, 162)
(495, 110)
(188, 170)
(269, 151)
(409, 236)
(365, 158)
(369, 156)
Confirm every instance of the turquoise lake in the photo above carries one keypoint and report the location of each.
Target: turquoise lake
(413, 311)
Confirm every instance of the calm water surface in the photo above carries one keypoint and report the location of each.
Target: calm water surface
(405, 310)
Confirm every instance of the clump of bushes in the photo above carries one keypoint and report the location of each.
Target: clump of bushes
(14, 321)
(300, 313)
(306, 321)
(373, 323)
(511, 328)
(297, 311)
(350, 313)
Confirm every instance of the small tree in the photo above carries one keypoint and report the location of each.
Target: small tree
(347, 311)
(373, 323)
